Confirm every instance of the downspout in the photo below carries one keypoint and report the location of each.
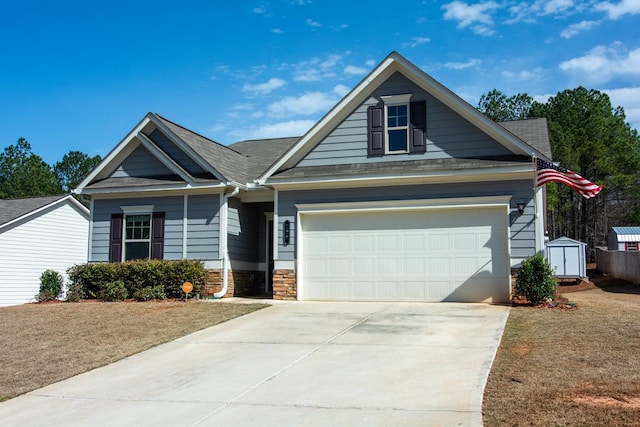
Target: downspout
(223, 242)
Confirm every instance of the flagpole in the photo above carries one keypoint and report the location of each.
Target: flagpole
(535, 200)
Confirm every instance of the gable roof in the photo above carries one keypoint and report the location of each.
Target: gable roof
(630, 233)
(13, 210)
(391, 64)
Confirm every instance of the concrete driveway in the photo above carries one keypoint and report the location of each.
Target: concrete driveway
(294, 363)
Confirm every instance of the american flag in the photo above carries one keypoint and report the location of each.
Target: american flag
(548, 172)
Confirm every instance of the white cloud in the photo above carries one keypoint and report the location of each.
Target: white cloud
(316, 69)
(417, 41)
(475, 16)
(306, 104)
(370, 62)
(527, 12)
(313, 24)
(277, 30)
(264, 88)
(602, 64)
(274, 130)
(341, 90)
(544, 98)
(356, 71)
(526, 75)
(615, 11)
(472, 62)
(629, 99)
(574, 29)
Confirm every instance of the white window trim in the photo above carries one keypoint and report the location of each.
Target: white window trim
(395, 100)
(136, 210)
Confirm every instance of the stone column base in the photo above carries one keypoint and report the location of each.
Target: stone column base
(284, 285)
(239, 283)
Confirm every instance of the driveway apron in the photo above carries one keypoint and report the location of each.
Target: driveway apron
(294, 363)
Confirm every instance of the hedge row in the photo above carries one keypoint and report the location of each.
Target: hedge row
(91, 280)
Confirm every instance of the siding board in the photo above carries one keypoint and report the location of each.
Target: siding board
(141, 163)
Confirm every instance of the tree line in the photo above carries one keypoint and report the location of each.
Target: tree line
(593, 139)
(25, 174)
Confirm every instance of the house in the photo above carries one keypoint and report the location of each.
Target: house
(38, 234)
(401, 192)
(624, 239)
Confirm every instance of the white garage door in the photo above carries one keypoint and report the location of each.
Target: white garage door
(426, 255)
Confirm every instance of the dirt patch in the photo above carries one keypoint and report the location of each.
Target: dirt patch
(630, 403)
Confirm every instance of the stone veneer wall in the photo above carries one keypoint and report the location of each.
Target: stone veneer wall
(240, 283)
(284, 285)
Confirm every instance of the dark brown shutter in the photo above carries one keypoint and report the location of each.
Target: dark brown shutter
(375, 125)
(157, 235)
(418, 125)
(115, 239)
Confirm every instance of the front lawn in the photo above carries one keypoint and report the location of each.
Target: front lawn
(569, 367)
(45, 343)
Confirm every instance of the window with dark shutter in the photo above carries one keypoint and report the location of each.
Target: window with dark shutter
(157, 239)
(418, 120)
(375, 125)
(115, 240)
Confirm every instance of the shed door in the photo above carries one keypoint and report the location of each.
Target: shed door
(427, 255)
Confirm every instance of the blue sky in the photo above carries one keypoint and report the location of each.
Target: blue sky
(79, 75)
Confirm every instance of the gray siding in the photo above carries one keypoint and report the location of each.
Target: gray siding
(243, 227)
(448, 134)
(141, 163)
(522, 226)
(102, 210)
(203, 227)
(179, 156)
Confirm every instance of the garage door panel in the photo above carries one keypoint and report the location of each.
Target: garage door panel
(426, 255)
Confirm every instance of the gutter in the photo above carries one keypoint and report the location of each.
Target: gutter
(223, 242)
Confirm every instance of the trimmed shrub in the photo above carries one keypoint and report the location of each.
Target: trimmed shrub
(51, 283)
(535, 280)
(113, 291)
(150, 293)
(168, 275)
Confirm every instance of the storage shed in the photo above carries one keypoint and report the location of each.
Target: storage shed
(624, 239)
(567, 257)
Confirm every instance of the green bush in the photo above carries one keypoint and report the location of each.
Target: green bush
(168, 275)
(113, 291)
(50, 286)
(150, 293)
(535, 280)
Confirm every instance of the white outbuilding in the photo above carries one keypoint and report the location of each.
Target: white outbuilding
(38, 234)
(567, 257)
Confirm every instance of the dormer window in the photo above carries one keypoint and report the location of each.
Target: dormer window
(398, 126)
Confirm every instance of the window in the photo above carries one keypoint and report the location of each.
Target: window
(137, 237)
(632, 246)
(398, 126)
(137, 233)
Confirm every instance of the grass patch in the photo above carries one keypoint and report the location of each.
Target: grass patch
(45, 343)
(569, 367)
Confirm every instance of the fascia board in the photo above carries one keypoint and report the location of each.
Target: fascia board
(330, 120)
(466, 110)
(113, 193)
(163, 158)
(188, 150)
(62, 200)
(440, 177)
(115, 156)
